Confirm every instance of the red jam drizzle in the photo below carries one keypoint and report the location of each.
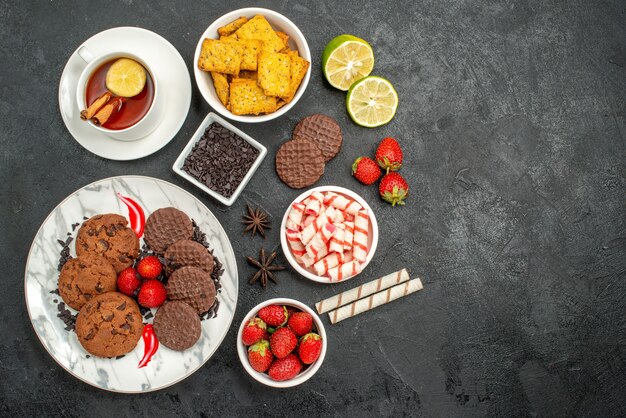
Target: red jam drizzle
(150, 345)
(135, 213)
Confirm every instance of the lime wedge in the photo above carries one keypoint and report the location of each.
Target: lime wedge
(345, 60)
(372, 101)
(126, 78)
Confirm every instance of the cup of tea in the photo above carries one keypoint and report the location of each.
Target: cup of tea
(131, 110)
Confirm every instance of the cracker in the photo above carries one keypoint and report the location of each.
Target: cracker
(251, 49)
(220, 56)
(274, 74)
(299, 67)
(250, 75)
(231, 37)
(259, 28)
(220, 81)
(291, 53)
(232, 26)
(247, 98)
(284, 37)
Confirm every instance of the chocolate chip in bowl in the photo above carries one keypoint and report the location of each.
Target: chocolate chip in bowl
(219, 159)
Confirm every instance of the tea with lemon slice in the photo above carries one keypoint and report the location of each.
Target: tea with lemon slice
(130, 84)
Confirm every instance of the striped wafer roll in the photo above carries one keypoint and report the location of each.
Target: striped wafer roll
(344, 271)
(309, 231)
(342, 203)
(318, 242)
(339, 217)
(294, 219)
(336, 241)
(330, 261)
(315, 204)
(308, 260)
(307, 220)
(348, 235)
(293, 239)
(365, 289)
(359, 242)
(375, 300)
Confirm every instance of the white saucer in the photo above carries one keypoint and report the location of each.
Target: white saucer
(174, 81)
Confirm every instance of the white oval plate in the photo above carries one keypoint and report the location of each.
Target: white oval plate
(167, 366)
(174, 83)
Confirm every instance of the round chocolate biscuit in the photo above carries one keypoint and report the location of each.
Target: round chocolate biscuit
(177, 325)
(323, 131)
(299, 163)
(192, 285)
(188, 253)
(109, 325)
(109, 236)
(84, 277)
(165, 226)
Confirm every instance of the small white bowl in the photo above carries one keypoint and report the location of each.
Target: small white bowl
(372, 236)
(178, 164)
(264, 378)
(278, 22)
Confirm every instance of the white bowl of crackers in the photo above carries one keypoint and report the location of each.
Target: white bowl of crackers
(329, 234)
(252, 65)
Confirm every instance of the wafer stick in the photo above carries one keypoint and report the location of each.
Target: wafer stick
(375, 300)
(365, 289)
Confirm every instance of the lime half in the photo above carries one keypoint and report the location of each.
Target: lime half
(345, 60)
(372, 102)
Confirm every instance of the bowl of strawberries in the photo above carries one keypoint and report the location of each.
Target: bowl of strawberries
(281, 343)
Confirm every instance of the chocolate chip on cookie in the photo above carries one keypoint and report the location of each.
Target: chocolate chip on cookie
(84, 277)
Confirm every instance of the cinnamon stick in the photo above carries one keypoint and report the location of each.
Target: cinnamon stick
(95, 106)
(108, 110)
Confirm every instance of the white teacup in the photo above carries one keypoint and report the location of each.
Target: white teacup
(145, 125)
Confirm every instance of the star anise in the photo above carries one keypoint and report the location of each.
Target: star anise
(265, 267)
(256, 221)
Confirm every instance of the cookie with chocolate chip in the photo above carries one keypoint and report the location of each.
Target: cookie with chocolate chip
(84, 277)
(109, 325)
(109, 235)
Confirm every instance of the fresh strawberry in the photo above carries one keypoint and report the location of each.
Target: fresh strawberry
(310, 348)
(291, 310)
(149, 267)
(285, 368)
(282, 342)
(127, 281)
(274, 315)
(389, 155)
(260, 356)
(254, 331)
(365, 170)
(300, 323)
(393, 189)
(152, 294)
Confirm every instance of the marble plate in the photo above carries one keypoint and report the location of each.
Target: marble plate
(167, 366)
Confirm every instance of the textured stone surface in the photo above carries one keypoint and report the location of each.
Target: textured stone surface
(512, 120)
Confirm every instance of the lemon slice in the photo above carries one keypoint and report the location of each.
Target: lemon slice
(372, 102)
(126, 78)
(345, 60)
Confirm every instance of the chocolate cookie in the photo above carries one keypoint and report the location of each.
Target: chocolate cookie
(165, 226)
(299, 163)
(109, 325)
(177, 325)
(188, 253)
(323, 131)
(84, 277)
(109, 236)
(193, 286)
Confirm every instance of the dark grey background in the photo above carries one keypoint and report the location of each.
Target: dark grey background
(512, 121)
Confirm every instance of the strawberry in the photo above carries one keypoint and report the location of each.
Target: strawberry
(254, 331)
(274, 315)
(285, 368)
(310, 348)
(149, 267)
(127, 281)
(365, 170)
(300, 323)
(389, 155)
(260, 356)
(152, 294)
(393, 189)
(282, 342)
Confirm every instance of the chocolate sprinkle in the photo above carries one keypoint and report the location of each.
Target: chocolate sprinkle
(220, 159)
